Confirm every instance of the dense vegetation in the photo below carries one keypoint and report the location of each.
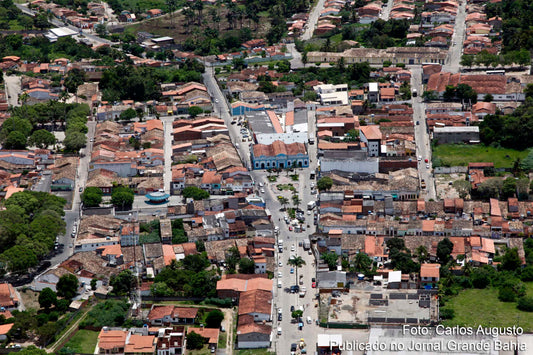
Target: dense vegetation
(11, 18)
(111, 313)
(150, 232)
(126, 82)
(514, 130)
(517, 26)
(508, 278)
(353, 74)
(188, 278)
(380, 33)
(27, 122)
(28, 228)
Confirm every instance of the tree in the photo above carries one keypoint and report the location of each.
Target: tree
(297, 313)
(92, 196)
(32, 350)
(195, 341)
(463, 187)
(330, 258)
(196, 262)
(480, 278)
(283, 201)
(490, 188)
(284, 66)
(123, 283)
(395, 243)
(421, 254)
(40, 21)
(195, 193)
(67, 286)
(122, 196)
(47, 298)
(232, 259)
(15, 140)
(161, 289)
(75, 78)
(297, 262)
(444, 250)
(93, 284)
(42, 139)
(128, 114)
(195, 111)
(19, 258)
(430, 95)
(246, 266)
(74, 141)
(324, 183)
(238, 63)
(296, 201)
(214, 319)
(506, 294)
(509, 187)
(488, 98)
(510, 260)
(171, 5)
(525, 304)
(362, 263)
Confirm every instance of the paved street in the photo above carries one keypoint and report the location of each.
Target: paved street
(423, 147)
(312, 20)
(167, 174)
(12, 84)
(456, 49)
(385, 12)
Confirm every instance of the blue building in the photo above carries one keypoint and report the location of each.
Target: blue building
(279, 155)
(240, 108)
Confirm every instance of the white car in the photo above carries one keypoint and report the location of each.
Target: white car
(293, 247)
(427, 166)
(308, 212)
(419, 158)
(280, 264)
(262, 191)
(280, 274)
(312, 184)
(261, 184)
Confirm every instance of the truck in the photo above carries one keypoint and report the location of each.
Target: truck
(311, 205)
(302, 291)
(306, 244)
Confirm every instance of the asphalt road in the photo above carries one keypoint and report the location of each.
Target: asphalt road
(456, 49)
(423, 147)
(12, 84)
(312, 20)
(385, 11)
(167, 174)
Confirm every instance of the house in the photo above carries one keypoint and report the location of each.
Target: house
(461, 134)
(210, 334)
(170, 341)
(256, 303)
(164, 315)
(231, 286)
(8, 297)
(252, 335)
(111, 341)
(371, 135)
(279, 155)
(138, 344)
(429, 275)
(4, 330)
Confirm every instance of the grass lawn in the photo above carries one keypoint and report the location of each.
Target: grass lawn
(475, 307)
(84, 341)
(203, 351)
(461, 155)
(255, 352)
(222, 340)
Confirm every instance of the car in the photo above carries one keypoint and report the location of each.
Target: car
(262, 191)
(212, 350)
(418, 123)
(233, 122)
(308, 212)
(290, 228)
(293, 347)
(280, 317)
(426, 160)
(313, 279)
(222, 329)
(237, 145)
(419, 158)
(261, 184)
(280, 311)
(312, 184)
(280, 274)
(239, 124)
(280, 264)
(91, 140)
(292, 270)
(427, 166)
(313, 285)
(293, 247)
(292, 308)
(216, 100)
(81, 189)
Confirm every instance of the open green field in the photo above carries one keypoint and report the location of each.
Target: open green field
(84, 342)
(461, 155)
(475, 307)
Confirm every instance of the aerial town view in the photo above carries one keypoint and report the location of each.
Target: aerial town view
(246, 177)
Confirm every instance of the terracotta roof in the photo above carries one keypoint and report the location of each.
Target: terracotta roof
(209, 333)
(185, 312)
(371, 132)
(8, 296)
(430, 270)
(111, 339)
(158, 312)
(247, 325)
(255, 301)
(138, 344)
(5, 328)
(278, 147)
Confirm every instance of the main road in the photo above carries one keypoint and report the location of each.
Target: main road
(456, 48)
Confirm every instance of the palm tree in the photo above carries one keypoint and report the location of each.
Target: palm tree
(297, 262)
(296, 201)
(283, 201)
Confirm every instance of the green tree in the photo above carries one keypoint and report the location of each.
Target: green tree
(42, 139)
(232, 258)
(161, 289)
(92, 196)
(488, 98)
(430, 95)
(510, 260)
(33, 350)
(195, 111)
(324, 183)
(74, 141)
(463, 187)
(123, 283)
(214, 319)
(195, 341)
(47, 298)
(246, 266)
(41, 22)
(296, 201)
(330, 258)
(421, 254)
(444, 250)
(122, 197)
(93, 284)
(490, 188)
(506, 294)
(195, 193)
(297, 313)
(480, 278)
(525, 304)
(283, 201)
(509, 187)
(362, 263)
(128, 114)
(67, 286)
(75, 78)
(196, 262)
(297, 262)
(15, 140)
(19, 258)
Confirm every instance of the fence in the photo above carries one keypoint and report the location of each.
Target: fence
(344, 325)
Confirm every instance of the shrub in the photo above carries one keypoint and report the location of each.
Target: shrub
(506, 294)
(525, 304)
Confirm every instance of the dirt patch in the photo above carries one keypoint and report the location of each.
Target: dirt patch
(30, 299)
(443, 187)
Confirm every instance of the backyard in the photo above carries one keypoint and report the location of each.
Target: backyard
(83, 342)
(255, 352)
(461, 155)
(474, 307)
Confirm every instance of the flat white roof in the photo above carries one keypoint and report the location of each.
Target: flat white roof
(373, 87)
(63, 31)
(456, 129)
(327, 340)
(162, 39)
(395, 276)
